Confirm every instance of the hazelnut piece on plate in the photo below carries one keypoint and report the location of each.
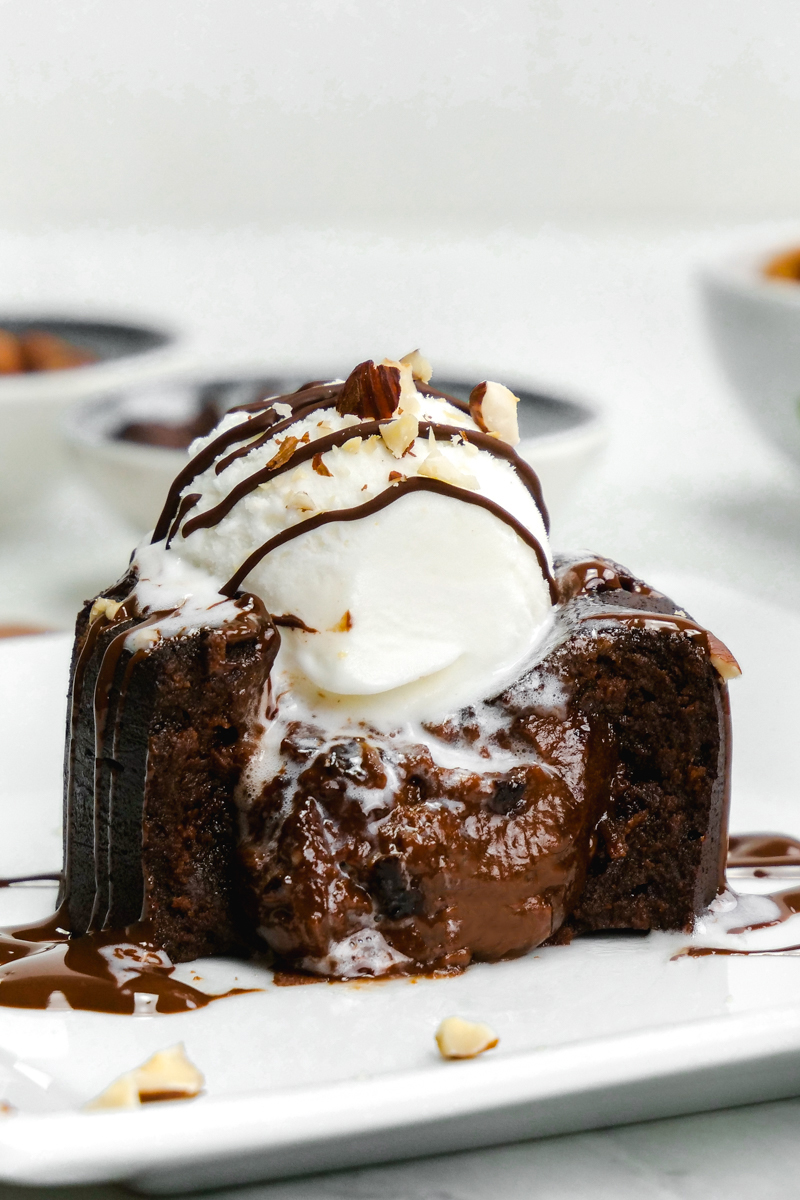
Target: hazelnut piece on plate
(457, 1038)
(493, 408)
(167, 1075)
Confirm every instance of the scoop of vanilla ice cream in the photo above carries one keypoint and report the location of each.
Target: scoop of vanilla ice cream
(426, 605)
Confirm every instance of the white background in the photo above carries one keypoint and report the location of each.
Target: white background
(385, 111)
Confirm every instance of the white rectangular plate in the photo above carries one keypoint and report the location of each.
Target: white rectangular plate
(606, 1030)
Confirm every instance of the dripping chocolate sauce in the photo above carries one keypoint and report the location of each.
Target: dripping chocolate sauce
(714, 951)
(761, 851)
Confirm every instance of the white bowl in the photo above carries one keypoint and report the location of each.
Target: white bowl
(132, 477)
(560, 437)
(31, 405)
(754, 322)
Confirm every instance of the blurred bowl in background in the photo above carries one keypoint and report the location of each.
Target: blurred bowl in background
(752, 307)
(32, 402)
(130, 445)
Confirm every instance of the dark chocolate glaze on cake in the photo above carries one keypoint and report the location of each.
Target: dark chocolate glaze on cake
(157, 739)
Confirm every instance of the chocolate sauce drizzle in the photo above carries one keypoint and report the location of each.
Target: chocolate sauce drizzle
(264, 422)
(393, 493)
(638, 618)
(713, 951)
(290, 621)
(186, 505)
(366, 429)
(265, 418)
(763, 850)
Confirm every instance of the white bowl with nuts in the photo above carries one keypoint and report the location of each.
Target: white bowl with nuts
(48, 363)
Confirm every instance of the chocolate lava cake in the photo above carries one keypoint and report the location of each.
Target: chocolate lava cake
(590, 792)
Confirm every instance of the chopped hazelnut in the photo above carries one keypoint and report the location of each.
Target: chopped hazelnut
(169, 1072)
(457, 1038)
(300, 501)
(103, 607)
(436, 466)
(122, 1093)
(409, 401)
(319, 466)
(398, 435)
(420, 367)
(168, 1075)
(493, 408)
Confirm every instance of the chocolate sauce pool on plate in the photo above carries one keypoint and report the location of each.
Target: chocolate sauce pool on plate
(48, 877)
(713, 951)
(763, 850)
(757, 851)
(42, 967)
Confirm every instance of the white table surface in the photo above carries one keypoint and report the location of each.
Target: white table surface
(686, 485)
